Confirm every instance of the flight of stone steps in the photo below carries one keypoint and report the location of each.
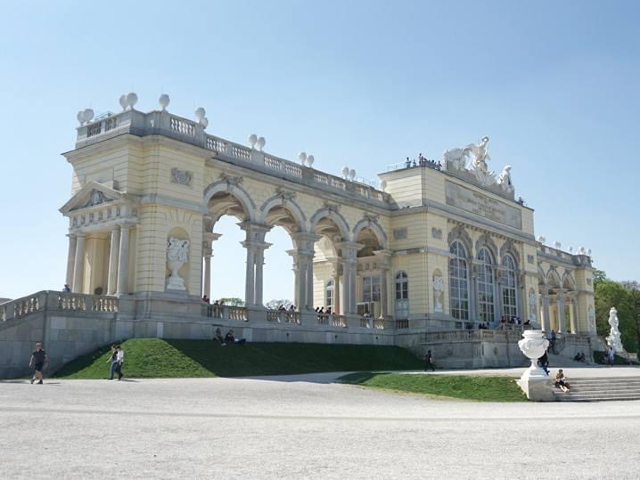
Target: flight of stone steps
(600, 389)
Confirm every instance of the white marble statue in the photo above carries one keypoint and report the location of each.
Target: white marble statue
(613, 340)
(504, 179)
(177, 256)
(437, 293)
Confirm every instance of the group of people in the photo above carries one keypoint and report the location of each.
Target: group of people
(423, 162)
(228, 339)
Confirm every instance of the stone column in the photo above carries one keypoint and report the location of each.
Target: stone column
(259, 259)
(310, 299)
(71, 259)
(123, 261)
(572, 315)
(78, 265)
(336, 291)
(473, 290)
(207, 253)
(349, 262)
(560, 307)
(113, 261)
(249, 288)
(296, 277)
(544, 311)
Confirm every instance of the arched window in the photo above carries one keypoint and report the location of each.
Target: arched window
(402, 295)
(509, 288)
(486, 287)
(328, 294)
(458, 282)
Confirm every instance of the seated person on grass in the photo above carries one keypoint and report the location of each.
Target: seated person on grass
(217, 335)
(230, 338)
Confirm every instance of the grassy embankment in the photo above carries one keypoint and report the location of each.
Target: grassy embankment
(481, 388)
(159, 358)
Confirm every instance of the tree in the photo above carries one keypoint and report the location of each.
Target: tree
(233, 301)
(613, 294)
(275, 304)
(598, 277)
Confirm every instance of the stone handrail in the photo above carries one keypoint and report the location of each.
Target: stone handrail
(185, 130)
(57, 301)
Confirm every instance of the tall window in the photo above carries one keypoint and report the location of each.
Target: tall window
(486, 287)
(328, 294)
(402, 286)
(371, 289)
(509, 288)
(458, 282)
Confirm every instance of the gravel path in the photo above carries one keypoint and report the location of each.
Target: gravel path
(301, 427)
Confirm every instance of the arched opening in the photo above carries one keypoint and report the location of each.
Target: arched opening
(222, 279)
(370, 273)
(329, 275)
(280, 257)
(458, 281)
(509, 288)
(486, 286)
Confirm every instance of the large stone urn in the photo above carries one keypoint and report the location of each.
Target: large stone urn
(533, 345)
(534, 382)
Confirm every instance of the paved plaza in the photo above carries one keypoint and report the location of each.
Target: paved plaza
(301, 427)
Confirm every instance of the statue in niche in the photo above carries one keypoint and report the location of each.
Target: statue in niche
(437, 292)
(177, 256)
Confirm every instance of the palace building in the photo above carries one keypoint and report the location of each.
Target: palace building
(439, 250)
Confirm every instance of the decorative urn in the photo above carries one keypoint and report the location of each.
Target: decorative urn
(533, 345)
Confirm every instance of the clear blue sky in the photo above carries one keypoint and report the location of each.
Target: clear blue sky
(553, 84)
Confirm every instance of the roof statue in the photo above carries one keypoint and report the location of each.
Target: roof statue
(470, 162)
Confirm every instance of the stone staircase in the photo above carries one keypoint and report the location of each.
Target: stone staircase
(600, 389)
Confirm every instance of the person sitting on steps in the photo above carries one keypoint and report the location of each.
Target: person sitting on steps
(561, 382)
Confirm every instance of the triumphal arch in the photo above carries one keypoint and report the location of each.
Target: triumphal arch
(440, 249)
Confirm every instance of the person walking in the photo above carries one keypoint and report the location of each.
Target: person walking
(38, 361)
(113, 360)
(119, 361)
(428, 361)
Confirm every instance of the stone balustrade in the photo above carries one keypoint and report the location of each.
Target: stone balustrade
(185, 130)
(57, 301)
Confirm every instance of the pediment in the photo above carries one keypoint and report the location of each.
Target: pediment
(91, 195)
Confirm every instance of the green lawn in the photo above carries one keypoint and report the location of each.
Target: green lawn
(481, 388)
(159, 358)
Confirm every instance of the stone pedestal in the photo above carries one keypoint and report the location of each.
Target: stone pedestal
(534, 382)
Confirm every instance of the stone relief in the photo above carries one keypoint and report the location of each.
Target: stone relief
(97, 198)
(285, 195)
(399, 233)
(436, 233)
(335, 208)
(438, 288)
(183, 177)
(592, 318)
(230, 180)
(177, 256)
(531, 259)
